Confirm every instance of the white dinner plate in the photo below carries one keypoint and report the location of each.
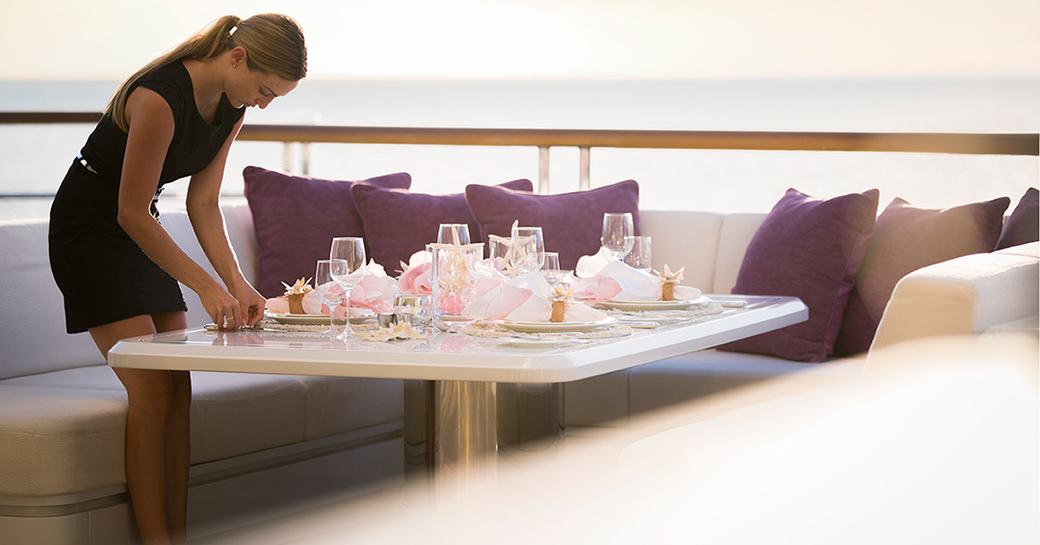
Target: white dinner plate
(681, 304)
(357, 315)
(554, 327)
(521, 342)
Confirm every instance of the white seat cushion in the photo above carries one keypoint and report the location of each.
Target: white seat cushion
(335, 405)
(231, 414)
(60, 440)
(614, 397)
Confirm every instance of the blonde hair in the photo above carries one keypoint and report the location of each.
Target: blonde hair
(274, 45)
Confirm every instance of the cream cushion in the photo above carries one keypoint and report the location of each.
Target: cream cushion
(962, 296)
(74, 419)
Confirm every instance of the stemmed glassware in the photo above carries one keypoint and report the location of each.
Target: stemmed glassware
(639, 257)
(445, 233)
(528, 249)
(346, 256)
(617, 232)
(326, 286)
(551, 268)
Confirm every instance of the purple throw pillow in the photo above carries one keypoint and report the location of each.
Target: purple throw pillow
(1024, 224)
(572, 223)
(904, 240)
(295, 219)
(398, 223)
(811, 249)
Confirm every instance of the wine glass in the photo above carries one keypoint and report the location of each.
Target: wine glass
(328, 291)
(528, 249)
(551, 268)
(351, 252)
(445, 236)
(639, 256)
(616, 228)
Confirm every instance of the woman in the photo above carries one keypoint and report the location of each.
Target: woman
(118, 268)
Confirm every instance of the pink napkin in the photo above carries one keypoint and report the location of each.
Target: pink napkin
(415, 276)
(372, 289)
(526, 298)
(603, 278)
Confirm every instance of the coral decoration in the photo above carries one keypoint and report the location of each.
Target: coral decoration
(294, 294)
(669, 280)
(399, 330)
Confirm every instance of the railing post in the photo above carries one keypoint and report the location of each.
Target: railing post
(543, 170)
(305, 158)
(584, 167)
(287, 157)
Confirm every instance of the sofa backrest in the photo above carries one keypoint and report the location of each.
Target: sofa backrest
(32, 317)
(710, 245)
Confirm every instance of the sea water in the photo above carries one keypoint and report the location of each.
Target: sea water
(36, 157)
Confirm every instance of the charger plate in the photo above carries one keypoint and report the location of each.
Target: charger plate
(356, 316)
(555, 327)
(681, 304)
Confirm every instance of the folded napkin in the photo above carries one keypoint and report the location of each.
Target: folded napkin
(603, 278)
(526, 298)
(415, 275)
(371, 289)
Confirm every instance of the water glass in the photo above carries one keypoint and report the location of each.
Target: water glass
(329, 291)
(447, 232)
(639, 256)
(551, 268)
(498, 253)
(617, 228)
(528, 249)
(350, 251)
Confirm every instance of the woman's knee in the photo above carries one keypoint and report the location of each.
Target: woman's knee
(149, 393)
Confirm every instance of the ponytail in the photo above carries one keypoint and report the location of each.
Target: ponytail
(212, 41)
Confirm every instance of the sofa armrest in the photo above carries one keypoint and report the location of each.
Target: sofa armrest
(962, 296)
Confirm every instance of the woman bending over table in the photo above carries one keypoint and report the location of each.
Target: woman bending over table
(116, 266)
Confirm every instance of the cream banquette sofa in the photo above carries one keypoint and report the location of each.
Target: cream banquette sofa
(264, 444)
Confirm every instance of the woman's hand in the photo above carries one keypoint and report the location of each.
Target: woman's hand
(222, 307)
(251, 303)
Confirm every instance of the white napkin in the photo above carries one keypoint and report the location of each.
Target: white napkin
(611, 279)
(526, 298)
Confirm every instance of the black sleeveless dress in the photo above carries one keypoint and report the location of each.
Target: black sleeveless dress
(102, 273)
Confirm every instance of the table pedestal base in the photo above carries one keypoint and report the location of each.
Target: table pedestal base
(456, 429)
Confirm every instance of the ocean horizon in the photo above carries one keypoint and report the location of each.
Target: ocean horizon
(731, 181)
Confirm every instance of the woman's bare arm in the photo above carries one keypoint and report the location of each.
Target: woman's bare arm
(207, 221)
(149, 137)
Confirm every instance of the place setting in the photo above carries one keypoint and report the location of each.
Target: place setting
(515, 296)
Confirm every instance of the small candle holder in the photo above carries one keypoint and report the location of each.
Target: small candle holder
(413, 308)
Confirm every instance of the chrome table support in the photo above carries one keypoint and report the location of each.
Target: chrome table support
(453, 428)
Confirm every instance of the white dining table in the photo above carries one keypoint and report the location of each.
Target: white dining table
(467, 398)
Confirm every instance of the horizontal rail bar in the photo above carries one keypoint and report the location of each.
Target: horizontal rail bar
(962, 143)
(994, 144)
(43, 118)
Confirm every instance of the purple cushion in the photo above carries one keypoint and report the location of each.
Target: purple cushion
(1024, 224)
(399, 223)
(811, 249)
(571, 222)
(904, 240)
(295, 219)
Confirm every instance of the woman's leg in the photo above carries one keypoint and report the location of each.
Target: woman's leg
(178, 445)
(149, 394)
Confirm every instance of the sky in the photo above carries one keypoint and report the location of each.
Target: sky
(552, 39)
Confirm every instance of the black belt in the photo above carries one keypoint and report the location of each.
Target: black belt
(85, 164)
